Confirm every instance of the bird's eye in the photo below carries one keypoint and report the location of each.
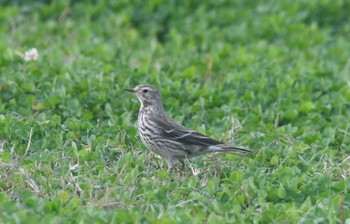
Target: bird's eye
(145, 90)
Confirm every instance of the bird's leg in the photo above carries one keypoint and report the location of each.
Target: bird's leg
(182, 165)
(170, 168)
(170, 165)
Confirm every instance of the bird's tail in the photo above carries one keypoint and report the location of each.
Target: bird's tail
(227, 148)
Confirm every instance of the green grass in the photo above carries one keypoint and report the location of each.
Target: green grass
(268, 75)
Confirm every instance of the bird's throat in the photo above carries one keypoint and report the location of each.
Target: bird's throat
(151, 109)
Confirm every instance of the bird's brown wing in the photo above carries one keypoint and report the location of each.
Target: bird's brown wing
(175, 132)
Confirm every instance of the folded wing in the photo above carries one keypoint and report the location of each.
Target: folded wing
(175, 132)
(172, 131)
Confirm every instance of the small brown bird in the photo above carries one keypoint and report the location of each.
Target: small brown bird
(168, 139)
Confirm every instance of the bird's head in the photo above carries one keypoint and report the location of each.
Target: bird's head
(148, 95)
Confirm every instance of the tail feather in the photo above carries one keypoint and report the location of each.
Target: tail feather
(227, 148)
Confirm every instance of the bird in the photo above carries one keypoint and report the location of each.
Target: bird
(168, 139)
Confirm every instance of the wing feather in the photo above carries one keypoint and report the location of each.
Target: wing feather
(173, 131)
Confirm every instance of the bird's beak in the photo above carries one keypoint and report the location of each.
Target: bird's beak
(130, 90)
